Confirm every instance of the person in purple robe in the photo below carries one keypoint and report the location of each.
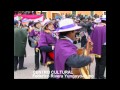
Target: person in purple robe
(98, 37)
(66, 56)
(47, 43)
(34, 37)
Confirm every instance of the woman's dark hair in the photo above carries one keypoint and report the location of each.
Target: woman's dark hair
(31, 23)
(46, 27)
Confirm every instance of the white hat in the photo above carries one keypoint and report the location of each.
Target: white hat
(103, 17)
(97, 20)
(46, 22)
(67, 24)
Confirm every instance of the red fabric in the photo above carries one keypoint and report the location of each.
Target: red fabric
(51, 55)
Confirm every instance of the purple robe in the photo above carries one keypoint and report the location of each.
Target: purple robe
(46, 39)
(98, 36)
(55, 25)
(63, 49)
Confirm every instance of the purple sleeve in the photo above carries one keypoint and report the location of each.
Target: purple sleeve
(76, 61)
(42, 41)
(31, 33)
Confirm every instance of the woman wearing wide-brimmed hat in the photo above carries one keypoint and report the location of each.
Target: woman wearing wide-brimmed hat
(47, 43)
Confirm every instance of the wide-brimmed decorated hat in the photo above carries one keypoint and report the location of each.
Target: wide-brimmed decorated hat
(77, 19)
(67, 24)
(46, 22)
(37, 22)
(103, 17)
(97, 20)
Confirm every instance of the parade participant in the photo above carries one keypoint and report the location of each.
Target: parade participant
(55, 22)
(47, 42)
(89, 26)
(34, 37)
(24, 24)
(77, 21)
(98, 37)
(83, 30)
(30, 26)
(20, 39)
(65, 51)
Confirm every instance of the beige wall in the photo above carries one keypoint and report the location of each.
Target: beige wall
(84, 12)
(98, 12)
(49, 13)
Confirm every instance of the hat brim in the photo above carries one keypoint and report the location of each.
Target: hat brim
(69, 29)
(103, 19)
(97, 21)
(47, 24)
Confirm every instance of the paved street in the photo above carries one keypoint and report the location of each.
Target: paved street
(29, 63)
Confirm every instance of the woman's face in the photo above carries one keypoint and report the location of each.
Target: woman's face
(51, 26)
(72, 35)
(38, 25)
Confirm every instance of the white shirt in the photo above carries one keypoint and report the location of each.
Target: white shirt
(104, 43)
(68, 39)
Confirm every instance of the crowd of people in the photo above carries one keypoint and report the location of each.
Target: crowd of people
(67, 15)
(55, 40)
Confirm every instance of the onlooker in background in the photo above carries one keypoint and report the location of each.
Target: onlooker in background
(89, 25)
(20, 40)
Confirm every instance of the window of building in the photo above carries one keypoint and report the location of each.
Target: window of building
(104, 13)
(44, 13)
(92, 13)
(74, 12)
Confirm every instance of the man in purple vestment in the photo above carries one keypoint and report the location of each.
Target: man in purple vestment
(98, 37)
(65, 51)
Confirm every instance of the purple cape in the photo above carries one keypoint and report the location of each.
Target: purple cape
(34, 33)
(63, 49)
(98, 36)
(45, 40)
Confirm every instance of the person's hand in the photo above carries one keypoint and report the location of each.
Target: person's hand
(90, 41)
(53, 47)
(25, 55)
(35, 42)
(77, 38)
(37, 49)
